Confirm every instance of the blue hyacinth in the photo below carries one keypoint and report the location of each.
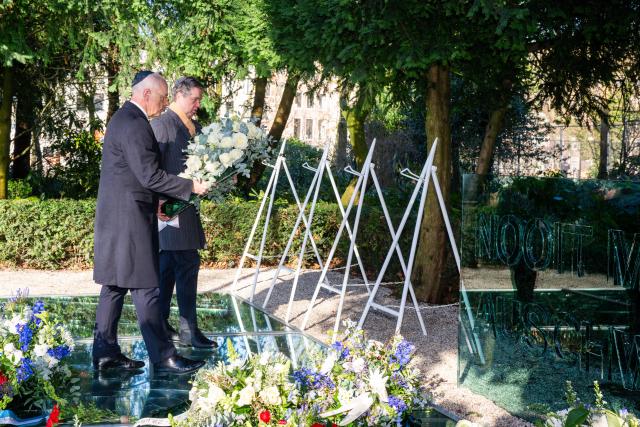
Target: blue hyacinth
(59, 352)
(26, 335)
(25, 370)
(397, 404)
(38, 308)
(402, 356)
(305, 377)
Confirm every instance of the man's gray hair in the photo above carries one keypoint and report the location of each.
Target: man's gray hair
(184, 85)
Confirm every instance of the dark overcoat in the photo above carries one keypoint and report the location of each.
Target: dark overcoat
(125, 232)
(173, 138)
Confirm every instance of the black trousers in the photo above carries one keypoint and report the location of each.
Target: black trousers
(148, 311)
(180, 269)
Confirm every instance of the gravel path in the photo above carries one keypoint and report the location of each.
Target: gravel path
(436, 354)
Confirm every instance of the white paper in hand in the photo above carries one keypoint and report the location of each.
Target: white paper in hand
(175, 222)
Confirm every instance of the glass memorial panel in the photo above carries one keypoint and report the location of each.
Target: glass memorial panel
(551, 272)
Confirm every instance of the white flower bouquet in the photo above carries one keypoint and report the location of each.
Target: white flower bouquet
(33, 352)
(224, 149)
(258, 391)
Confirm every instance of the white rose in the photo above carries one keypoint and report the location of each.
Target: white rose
(193, 163)
(225, 159)
(240, 140)
(236, 154)
(213, 138)
(254, 131)
(214, 168)
(270, 396)
(40, 350)
(226, 142)
(214, 395)
(246, 396)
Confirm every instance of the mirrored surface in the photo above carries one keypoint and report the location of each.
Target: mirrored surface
(551, 268)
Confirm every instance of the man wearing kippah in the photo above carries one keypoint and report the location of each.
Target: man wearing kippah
(125, 231)
(181, 237)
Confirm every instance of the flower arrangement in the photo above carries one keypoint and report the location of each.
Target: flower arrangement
(580, 414)
(358, 382)
(224, 149)
(363, 382)
(257, 391)
(33, 349)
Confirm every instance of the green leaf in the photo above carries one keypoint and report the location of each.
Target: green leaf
(577, 417)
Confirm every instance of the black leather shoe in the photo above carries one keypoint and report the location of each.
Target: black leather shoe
(117, 362)
(177, 365)
(173, 334)
(196, 339)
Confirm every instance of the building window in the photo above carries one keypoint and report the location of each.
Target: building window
(298, 100)
(98, 101)
(296, 128)
(309, 100)
(309, 128)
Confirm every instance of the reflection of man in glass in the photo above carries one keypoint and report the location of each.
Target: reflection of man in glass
(181, 237)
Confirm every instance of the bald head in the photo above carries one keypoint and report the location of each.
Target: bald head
(151, 93)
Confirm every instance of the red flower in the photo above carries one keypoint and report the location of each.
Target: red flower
(54, 417)
(282, 422)
(3, 379)
(265, 416)
(317, 425)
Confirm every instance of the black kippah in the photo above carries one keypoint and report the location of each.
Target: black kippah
(140, 76)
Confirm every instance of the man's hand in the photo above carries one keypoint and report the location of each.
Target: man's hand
(161, 216)
(200, 187)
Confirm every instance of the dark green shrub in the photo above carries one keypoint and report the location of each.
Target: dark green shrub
(56, 234)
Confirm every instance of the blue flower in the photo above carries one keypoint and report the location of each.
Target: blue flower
(341, 349)
(398, 378)
(402, 356)
(305, 377)
(26, 335)
(38, 308)
(25, 370)
(397, 404)
(59, 352)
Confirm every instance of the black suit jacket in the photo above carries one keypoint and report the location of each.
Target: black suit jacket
(173, 138)
(125, 232)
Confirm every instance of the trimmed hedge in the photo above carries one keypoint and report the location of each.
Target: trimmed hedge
(58, 234)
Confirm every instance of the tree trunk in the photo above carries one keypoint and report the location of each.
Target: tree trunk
(24, 127)
(604, 144)
(355, 116)
(340, 158)
(260, 88)
(5, 129)
(284, 108)
(277, 128)
(487, 149)
(433, 245)
(113, 97)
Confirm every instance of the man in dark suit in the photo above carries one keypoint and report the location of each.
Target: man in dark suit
(125, 233)
(181, 238)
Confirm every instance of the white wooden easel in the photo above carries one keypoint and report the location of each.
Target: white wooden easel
(314, 188)
(359, 189)
(270, 193)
